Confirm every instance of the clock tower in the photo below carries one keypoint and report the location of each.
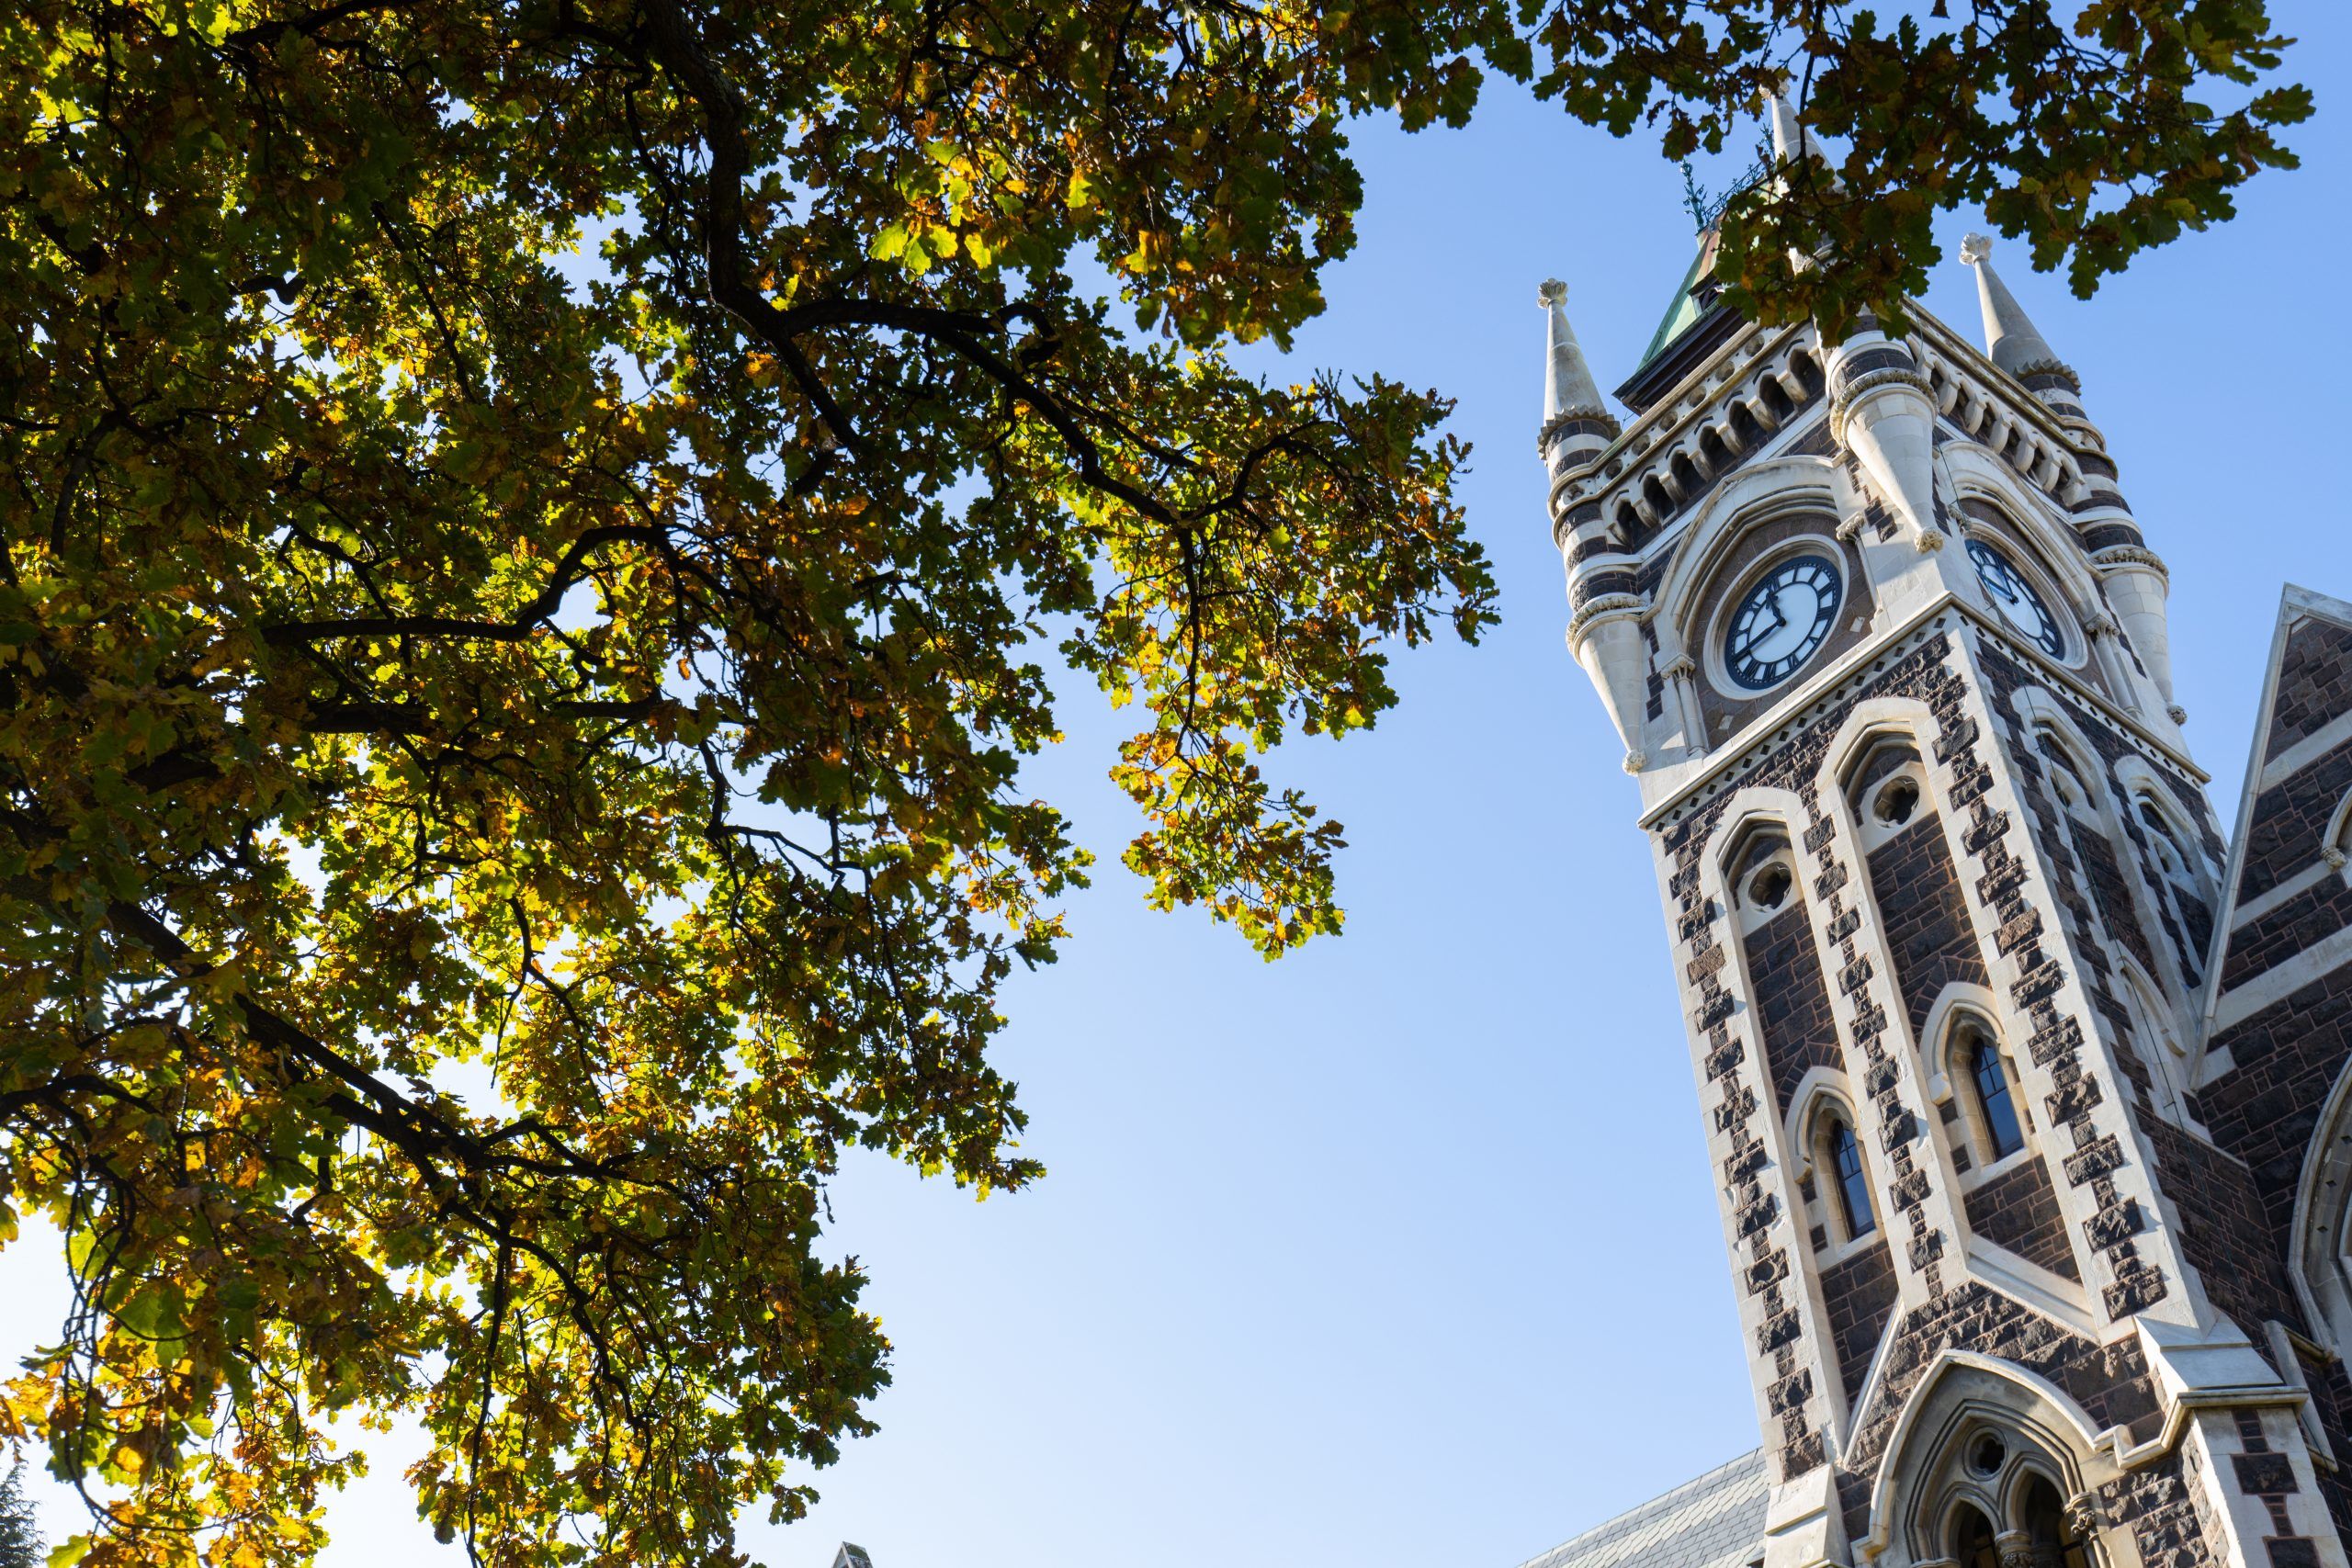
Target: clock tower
(1887, 654)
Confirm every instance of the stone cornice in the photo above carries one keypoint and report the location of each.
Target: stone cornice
(2117, 556)
(1603, 607)
(1583, 413)
(1849, 392)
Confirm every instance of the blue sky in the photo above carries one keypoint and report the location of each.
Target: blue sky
(1402, 1251)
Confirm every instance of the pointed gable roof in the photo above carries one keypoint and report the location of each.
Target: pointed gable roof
(1695, 326)
(2284, 920)
(1684, 309)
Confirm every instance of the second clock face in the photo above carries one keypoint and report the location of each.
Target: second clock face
(2014, 596)
(1782, 621)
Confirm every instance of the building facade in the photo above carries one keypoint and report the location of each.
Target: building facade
(2025, 1087)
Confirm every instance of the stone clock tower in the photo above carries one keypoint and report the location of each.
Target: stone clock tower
(1887, 653)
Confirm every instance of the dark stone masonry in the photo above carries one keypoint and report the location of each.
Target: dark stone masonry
(2315, 684)
(2290, 829)
(1860, 1292)
(1791, 1001)
(1926, 917)
(2019, 1210)
(2285, 1061)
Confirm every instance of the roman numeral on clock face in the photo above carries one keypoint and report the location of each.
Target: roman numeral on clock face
(1781, 621)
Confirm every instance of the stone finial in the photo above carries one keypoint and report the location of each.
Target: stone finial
(1551, 292)
(2011, 340)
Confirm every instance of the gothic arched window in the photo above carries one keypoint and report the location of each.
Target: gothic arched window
(1971, 1539)
(1985, 1091)
(2157, 1040)
(1844, 1153)
(1887, 788)
(2055, 1541)
(1992, 1100)
(1762, 875)
(2066, 779)
(2184, 875)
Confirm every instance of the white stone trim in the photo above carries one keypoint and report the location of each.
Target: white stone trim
(2304, 752)
(2271, 897)
(2053, 1295)
(2280, 981)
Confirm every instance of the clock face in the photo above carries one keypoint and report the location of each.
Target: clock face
(2015, 599)
(1782, 622)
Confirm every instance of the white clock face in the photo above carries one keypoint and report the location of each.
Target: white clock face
(2014, 596)
(1782, 622)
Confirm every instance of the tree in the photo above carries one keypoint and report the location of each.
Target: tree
(21, 1543)
(534, 530)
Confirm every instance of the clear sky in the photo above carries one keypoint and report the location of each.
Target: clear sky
(1401, 1252)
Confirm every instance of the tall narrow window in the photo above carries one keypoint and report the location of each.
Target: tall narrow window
(1993, 1098)
(2066, 779)
(1853, 1185)
(2188, 883)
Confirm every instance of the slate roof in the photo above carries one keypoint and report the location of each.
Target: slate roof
(1714, 1521)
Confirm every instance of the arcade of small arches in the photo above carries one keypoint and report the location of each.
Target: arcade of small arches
(1681, 472)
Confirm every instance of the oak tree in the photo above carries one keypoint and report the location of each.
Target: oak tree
(532, 533)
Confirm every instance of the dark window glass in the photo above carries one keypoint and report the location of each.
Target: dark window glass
(1973, 1541)
(1993, 1095)
(1853, 1187)
(2046, 1522)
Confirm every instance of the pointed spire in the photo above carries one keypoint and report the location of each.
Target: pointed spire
(1792, 144)
(2011, 340)
(1572, 405)
(1568, 388)
(1791, 139)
